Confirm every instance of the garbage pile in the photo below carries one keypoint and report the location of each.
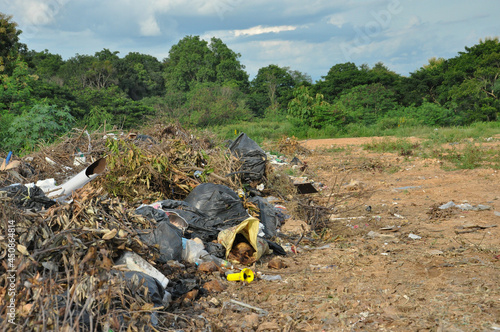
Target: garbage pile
(107, 230)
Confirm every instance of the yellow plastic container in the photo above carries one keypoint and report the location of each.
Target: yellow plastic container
(244, 275)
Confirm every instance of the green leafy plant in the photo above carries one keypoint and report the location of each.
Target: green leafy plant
(40, 123)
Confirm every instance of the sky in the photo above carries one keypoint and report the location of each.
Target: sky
(308, 36)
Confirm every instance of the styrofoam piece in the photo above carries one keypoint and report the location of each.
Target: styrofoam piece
(79, 180)
(136, 263)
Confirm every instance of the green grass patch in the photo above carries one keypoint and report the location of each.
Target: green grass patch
(401, 146)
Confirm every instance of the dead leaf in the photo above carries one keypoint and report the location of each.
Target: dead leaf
(110, 235)
(23, 250)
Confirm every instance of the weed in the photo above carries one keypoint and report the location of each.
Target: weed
(402, 146)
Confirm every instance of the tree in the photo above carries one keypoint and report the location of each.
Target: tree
(140, 76)
(16, 89)
(312, 112)
(473, 84)
(188, 62)
(228, 69)
(193, 61)
(271, 88)
(342, 77)
(86, 71)
(10, 47)
(45, 65)
(211, 104)
(365, 103)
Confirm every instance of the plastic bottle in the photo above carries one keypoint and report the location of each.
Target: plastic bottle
(221, 262)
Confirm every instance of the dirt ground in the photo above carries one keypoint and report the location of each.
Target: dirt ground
(389, 258)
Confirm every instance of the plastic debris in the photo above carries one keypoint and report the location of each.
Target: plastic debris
(136, 263)
(253, 157)
(267, 277)
(245, 275)
(465, 206)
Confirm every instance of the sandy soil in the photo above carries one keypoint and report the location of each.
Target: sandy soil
(393, 261)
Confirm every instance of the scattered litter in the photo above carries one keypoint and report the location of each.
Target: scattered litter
(136, 263)
(435, 252)
(390, 228)
(326, 246)
(259, 310)
(275, 277)
(408, 187)
(347, 218)
(414, 236)
(465, 206)
(322, 267)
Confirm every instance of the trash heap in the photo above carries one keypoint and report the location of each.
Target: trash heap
(110, 228)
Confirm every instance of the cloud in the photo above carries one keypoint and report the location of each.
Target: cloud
(149, 27)
(259, 29)
(36, 12)
(337, 20)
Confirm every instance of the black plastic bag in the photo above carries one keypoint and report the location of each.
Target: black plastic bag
(28, 198)
(199, 226)
(268, 216)
(253, 157)
(155, 289)
(217, 201)
(165, 235)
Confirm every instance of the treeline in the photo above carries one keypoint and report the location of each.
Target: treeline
(203, 84)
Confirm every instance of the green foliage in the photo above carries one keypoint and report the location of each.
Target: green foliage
(210, 104)
(10, 47)
(140, 76)
(312, 112)
(428, 114)
(193, 61)
(41, 122)
(364, 104)
(271, 89)
(44, 64)
(98, 117)
(469, 157)
(15, 90)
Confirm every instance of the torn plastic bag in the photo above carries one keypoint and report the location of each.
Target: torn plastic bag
(216, 200)
(268, 216)
(276, 248)
(215, 249)
(253, 157)
(172, 204)
(248, 230)
(158, 295)
(166, 236)
(28, 198)
(198, 225)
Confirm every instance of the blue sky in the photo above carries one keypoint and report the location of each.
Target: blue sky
(309, 36)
